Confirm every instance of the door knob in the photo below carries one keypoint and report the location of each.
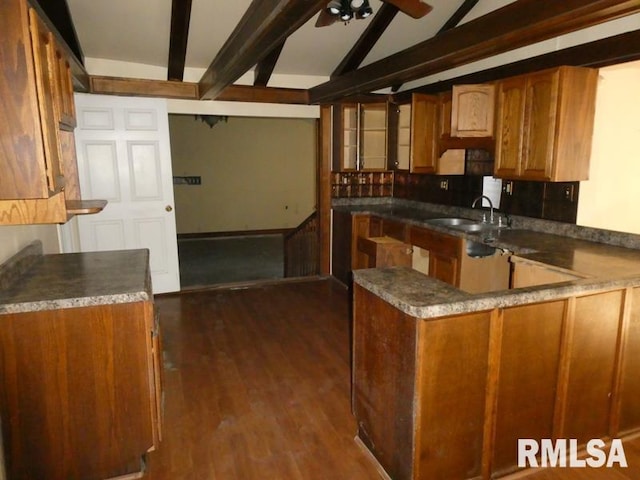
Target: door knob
(168, 208)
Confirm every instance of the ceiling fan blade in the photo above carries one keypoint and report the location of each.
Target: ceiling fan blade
(325, 18)
(413, 8)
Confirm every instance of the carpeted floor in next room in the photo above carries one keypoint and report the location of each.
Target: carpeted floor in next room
(219, 260)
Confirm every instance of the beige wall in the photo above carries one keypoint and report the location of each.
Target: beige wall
(257, 173)
(611, 197)
(14, 238)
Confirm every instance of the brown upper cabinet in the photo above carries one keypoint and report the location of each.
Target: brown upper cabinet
(472, 110)
(417, 134)
(424, 133)
(545, 125)
(360, 136)
(39, 181)
(420, 127)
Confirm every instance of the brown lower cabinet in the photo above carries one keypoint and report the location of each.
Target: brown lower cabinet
(81, 391)
(444, 255)
(449, 397)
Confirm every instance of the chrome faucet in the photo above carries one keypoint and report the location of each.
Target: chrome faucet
(473, 205)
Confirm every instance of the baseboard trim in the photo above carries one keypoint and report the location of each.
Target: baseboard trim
(238, 233)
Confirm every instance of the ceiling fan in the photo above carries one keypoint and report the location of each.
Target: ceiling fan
(345, 10)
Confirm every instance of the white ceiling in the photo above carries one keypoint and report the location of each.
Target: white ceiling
(138, 31)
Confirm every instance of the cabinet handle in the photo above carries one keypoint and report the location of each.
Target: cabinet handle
(168, 208)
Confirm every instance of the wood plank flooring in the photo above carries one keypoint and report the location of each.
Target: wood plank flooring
(257, 386)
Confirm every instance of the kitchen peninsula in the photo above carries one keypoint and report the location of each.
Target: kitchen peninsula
(445, 381)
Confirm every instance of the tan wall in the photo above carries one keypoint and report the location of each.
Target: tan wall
(611, 197)
(257, 173)
(14, 238)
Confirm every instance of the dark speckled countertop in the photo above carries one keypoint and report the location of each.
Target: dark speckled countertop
(31, 281)
(605, 258)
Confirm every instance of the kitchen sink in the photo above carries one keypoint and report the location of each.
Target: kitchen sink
(474, 249)
(470, 227)
(452, 221)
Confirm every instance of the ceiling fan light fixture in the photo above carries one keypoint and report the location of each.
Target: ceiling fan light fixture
(334, 7)
(346, 10)
(346, 15)
(366, 11)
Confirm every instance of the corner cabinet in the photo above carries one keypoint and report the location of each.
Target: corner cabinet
(360, 136)
(545, 125)
(39, 181)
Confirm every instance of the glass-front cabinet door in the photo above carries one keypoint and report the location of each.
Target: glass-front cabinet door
(362, 137)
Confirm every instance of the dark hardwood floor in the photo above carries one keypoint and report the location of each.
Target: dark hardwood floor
(257, 386)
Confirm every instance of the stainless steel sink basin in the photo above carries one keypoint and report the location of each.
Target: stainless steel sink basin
(470, 227)
(474, 249)
(451, 221)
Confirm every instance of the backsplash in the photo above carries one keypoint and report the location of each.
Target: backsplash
(361, 184)
(544, 200)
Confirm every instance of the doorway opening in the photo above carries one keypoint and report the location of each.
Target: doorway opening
(240, 185)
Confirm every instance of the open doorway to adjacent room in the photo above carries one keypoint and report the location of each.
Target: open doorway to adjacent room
(240, 185)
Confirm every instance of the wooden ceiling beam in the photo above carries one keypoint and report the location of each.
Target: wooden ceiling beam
(264, 68)
(180, 18)
(265, 25)
(189, 91)
(516, 25)
(621, 48)
(367, 40)
(458, 15)
(248, 93)
(454, 20)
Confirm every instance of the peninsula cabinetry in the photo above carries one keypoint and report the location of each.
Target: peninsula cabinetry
(545, 125)
(442, 396)
(39, 181)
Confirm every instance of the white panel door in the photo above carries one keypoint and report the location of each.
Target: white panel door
(124, 157)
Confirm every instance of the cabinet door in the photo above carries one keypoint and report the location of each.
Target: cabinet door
(541, 104)
(443, 267)
(424, 133)
(341, 246)
(472, 110)
(403, 137)
(359, 228)
(510, 127)
(527, 274)
(445, 100)
(373, 136)
(349, 137)
(64, 91)
(45, 70)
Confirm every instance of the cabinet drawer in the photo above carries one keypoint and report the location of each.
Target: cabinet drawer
(434, 241)
(395, 230)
